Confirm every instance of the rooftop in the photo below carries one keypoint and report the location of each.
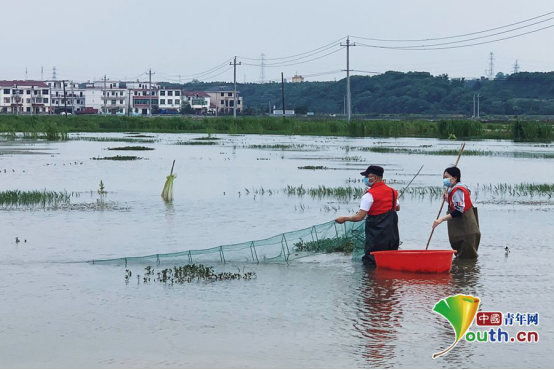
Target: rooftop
(200, 94)
(20, 83)
(220, 89)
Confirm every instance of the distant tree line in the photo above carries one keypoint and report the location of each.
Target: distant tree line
(524, 93)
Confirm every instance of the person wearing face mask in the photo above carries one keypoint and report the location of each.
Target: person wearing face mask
(462, 218)
(379, 204)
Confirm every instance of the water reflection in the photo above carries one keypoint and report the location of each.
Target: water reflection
(386, 297)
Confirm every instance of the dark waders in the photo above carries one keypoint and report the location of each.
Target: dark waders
(464, 234)
(381, 233)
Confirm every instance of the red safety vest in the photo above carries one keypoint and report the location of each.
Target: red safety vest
(467, 199)
(382, 199)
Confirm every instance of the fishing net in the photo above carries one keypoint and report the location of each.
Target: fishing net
(329, 237)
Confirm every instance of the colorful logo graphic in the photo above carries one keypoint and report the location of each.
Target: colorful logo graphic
(459, 310)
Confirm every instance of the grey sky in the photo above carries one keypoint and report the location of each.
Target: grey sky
(123, 38)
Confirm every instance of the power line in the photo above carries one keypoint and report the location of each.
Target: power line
(286, 63)
(294, 64)
(195, 75)
(453, 47)
(297, 55)
(456, 36)
(474, 38)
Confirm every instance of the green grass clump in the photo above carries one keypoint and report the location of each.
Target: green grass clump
(531, 131)
(132, 148)
(42, 198)
(313, 168)
(459, 128)
(187, 274)
(328, 245)
(195, 143)
(117, 158)
(341, 193)
(113, 139)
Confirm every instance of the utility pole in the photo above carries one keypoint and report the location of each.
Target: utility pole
(150, 93)
(42, 73)
(473, 106)
(478, 107)
(25, 73)
(344, 106)
(104, 97)
(234, 64)
(283, 93)
(348, 97)
(269, 107)
(54, 73)
(128, 102)
(64, 98)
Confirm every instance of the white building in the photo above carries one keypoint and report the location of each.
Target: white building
(140, 91)
(66, 96)
(26, 97)
(198, 100)
(170, 98)
(108, 97)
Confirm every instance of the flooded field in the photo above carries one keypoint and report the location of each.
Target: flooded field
(320, 311)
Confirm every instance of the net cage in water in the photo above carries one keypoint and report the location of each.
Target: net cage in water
(329, 237)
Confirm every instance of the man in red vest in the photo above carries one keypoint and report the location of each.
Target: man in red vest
(380, 204)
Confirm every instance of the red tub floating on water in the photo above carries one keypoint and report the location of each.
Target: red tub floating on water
(415, 260)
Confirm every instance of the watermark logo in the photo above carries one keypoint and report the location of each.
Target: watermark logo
(462, 310)
(459, 310)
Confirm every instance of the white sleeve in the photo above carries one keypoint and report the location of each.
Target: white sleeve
(367, 202)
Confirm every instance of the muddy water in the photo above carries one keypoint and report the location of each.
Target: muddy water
(323, 311)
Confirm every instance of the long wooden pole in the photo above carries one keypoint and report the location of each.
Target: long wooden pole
(172, 167)
(445, 192)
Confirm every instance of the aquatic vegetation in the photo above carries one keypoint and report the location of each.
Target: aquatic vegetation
(41, 198)
(142, 135)
(322, 191)
(531, 131)
(502, 190)
(112, 139)
(328, 245)
(453, 129)
(313, 168)
(99, 206)
(206, 138)
(117, 158)
(102, 189)
(133, 148)
(276, 146)
(187, 274)
(454, 152)
(194, 143)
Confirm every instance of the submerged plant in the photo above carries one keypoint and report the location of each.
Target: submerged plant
(327, 245)
(188, 274)
(134, 148)
(117, 158)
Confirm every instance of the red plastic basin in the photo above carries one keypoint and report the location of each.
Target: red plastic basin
(415, 260)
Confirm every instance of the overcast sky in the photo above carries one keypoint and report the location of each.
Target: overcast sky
(123, 38)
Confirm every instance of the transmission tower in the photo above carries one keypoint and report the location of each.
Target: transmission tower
(262, 69)
(516, 67)
(490, 71)
(54, 77)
